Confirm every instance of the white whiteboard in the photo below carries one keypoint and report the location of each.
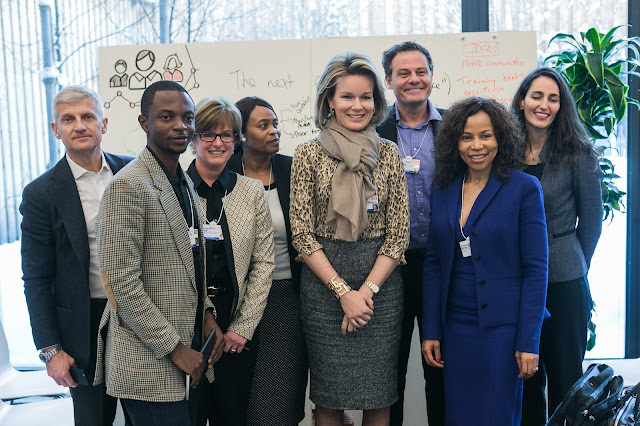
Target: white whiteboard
(284, 72)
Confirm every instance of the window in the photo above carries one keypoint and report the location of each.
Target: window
(607, 275)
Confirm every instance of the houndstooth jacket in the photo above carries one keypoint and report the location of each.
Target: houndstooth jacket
(148, 273)
(251, 235)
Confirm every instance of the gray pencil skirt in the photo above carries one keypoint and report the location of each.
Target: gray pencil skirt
(357, 371)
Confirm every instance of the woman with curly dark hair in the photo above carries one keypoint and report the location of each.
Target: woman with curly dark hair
(485, 271)
(557, 150)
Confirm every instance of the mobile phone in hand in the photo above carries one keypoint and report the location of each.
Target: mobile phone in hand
(77, 374)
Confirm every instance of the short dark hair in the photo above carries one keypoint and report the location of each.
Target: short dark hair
(407, 46)
(246, 107)
(449, 165)
(159, 86)
(567, 135)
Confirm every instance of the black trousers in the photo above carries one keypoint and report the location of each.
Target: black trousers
(434, 382)
(91, 404)
(225, 401)
(563, 343)
(145, 413)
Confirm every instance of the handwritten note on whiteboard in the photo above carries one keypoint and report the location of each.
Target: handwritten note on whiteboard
(285, 72)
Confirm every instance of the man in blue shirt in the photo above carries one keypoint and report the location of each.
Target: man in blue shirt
(412, 123)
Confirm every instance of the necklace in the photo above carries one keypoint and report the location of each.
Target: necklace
(535, 156)
(270, 170)
(411, 157)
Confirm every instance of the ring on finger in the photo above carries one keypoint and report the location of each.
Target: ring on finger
(233, 350)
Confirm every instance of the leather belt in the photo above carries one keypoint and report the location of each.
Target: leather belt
(216, 291)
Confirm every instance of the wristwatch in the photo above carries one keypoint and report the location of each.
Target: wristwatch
(46, 356)
(340, 288)
(373, 286)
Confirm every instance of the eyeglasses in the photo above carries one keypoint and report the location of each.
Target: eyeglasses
(225, 137)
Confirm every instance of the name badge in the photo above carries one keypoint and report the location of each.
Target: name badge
(372, 203)
(212, 231)
(465, 247)
(193, 237)
(411, 165)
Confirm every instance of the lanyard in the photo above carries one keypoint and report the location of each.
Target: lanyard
(217, 222)
(462, 206)
(419, 148)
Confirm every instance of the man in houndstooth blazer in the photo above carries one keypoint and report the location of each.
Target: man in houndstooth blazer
(152, 264)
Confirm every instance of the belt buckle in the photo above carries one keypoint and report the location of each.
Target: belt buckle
(212, 291)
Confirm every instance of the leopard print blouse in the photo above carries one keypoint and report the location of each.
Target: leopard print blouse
(311, 175)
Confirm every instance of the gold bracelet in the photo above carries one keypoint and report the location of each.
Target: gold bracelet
(340, 288)
(373, 286)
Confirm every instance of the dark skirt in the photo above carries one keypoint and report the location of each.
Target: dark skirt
(357, 371)
(481, 384)
(280, 378)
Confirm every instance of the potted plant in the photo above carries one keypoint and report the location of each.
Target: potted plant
(595, 68)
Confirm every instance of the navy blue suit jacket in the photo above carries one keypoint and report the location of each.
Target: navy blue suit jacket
(508, 236)
(55, 260)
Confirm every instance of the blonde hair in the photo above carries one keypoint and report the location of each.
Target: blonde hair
(351, 63)
(211, 112)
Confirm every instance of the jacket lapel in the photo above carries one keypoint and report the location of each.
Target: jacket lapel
(115, 163)
(172, 210)
(67, 201)
(453, 200)
(483, 200)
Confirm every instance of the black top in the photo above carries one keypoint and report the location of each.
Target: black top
(534, 170)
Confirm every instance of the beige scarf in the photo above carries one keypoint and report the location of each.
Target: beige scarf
(351, 183)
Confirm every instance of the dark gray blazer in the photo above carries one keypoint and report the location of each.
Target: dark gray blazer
(573, 207)
(55, 260)
(388, 130)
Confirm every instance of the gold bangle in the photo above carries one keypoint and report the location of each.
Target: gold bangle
(340, 288)
(373, 286)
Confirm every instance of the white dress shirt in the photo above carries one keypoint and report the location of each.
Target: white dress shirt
(91, 186)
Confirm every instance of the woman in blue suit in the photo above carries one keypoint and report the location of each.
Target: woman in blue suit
(485, 271)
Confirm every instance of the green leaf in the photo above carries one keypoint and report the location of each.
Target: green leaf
(593, 37)
(606, 40)
(569, 39)
(595, 65)
(612, 77)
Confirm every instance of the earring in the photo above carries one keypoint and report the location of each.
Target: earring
(332, 112)
(243, 139)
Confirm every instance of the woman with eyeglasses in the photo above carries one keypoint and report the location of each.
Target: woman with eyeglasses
(239, 258)
(282, 357)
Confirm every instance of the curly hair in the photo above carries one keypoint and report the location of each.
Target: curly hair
(350, 63)
(567, 135)
(449, 164)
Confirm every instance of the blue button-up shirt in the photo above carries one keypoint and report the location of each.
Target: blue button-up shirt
(409, 141)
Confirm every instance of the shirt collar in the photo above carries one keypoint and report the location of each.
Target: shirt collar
(78, 171)
(434, 114)
(173, 180)
(224, 178)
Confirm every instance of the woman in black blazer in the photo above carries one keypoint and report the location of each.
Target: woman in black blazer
(281, 352)
(558, 151)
